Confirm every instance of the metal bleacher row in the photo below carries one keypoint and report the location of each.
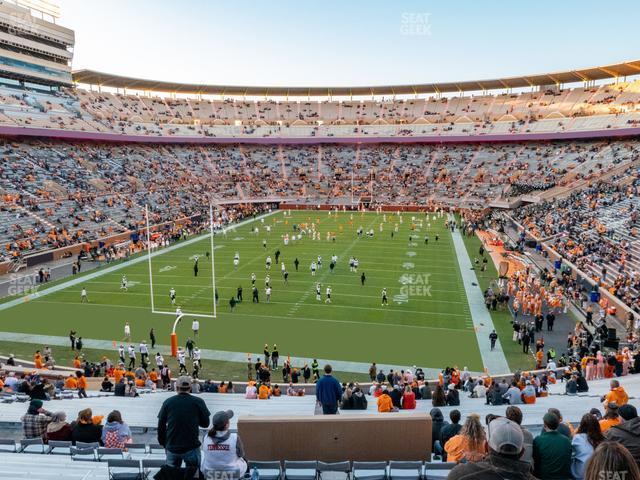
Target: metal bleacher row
(92, 464)
(34, 460)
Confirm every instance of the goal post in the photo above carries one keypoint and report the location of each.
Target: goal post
(150, 255)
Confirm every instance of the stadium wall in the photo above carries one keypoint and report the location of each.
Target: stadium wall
(9, 131)
(330, 436)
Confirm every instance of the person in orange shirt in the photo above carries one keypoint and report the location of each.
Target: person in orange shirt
(71, 383)
(469, 444)
(539, 358)
(264, 392)
(37, 360)
(616, 395)
(385, 404)
(82, 385)
(76, 362)
(153, 376)
(611, 417)
(118, 373)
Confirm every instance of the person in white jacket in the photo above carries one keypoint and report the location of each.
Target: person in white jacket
(222, 451)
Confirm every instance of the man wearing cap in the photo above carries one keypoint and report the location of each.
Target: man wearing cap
(222, 451)
(628, 432)
(551, 451)
(35, 421)
(178, 422)
(505, 442)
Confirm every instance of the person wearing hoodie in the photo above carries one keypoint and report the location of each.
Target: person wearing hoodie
(437, 423)
(396, 396)
(59, 429)
(358, 399)
(222, 451)
(385, 403)
(628, 432)
(616, 395)
(116, 433)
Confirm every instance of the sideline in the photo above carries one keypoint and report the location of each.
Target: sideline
(208, 354)
(494, 360)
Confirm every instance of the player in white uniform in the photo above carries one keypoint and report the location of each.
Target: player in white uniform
(267, 291)
(313, 269)
(159, 361)
(172, 296)
(319, 262)
(268, 263)
(127, 331)
(318, 294)
(385, 300)
(253, 279)
(182, 360)
(196, 357)
(355, 265)
(124, 283)
(328, 292)
(267, 281)
(195, 326)
(84, 298)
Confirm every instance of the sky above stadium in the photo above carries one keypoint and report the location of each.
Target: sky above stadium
(347, 42)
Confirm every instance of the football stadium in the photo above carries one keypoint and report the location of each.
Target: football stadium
(229, 253)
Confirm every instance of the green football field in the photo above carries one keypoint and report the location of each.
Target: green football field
(426, 323)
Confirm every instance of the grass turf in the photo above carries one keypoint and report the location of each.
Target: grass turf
(430, 327)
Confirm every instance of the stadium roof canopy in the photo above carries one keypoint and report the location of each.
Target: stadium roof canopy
(624, 69)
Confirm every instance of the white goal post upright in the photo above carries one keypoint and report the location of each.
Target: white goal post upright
(146, 210)
(213, 266)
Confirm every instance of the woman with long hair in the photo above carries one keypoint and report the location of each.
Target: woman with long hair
(469, 444)
(438, 399)
(584, 442)
(86, 428)
(116, 433)
(611, 460)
